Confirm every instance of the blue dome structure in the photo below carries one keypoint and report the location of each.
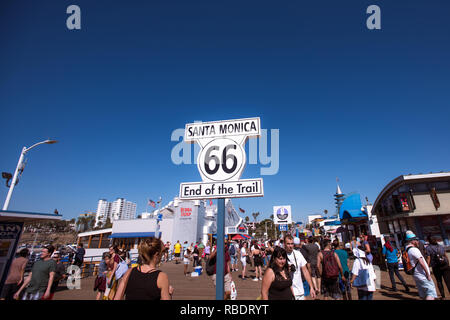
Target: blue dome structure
(351, 209)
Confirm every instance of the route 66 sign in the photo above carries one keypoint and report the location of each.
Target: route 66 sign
(222, 159)
(282, 214)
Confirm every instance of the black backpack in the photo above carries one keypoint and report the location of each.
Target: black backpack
(438, 258)
(210, 266)
(232, 250)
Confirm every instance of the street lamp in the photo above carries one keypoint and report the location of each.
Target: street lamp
(20, 168)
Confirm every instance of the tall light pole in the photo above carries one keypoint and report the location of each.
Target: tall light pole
(19, 167)
(158, 219)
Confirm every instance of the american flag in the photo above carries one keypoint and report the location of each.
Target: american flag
(152, 203)
(242, 210)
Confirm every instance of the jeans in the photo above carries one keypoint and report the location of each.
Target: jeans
(365, 295)
(438, 275)
(393, 268)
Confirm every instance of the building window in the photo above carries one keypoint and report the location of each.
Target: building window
(420, 187)
(441, 186)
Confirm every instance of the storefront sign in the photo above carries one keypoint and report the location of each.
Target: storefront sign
(9, 237)
(282, 214)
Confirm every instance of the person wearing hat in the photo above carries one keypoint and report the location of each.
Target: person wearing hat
(422, 276)
(363, 275)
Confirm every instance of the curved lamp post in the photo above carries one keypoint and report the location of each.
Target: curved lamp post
(19, 166)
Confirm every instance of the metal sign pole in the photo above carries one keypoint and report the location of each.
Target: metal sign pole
(220, 259)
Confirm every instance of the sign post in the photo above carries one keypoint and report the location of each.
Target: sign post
(220, 163)
(220, 259)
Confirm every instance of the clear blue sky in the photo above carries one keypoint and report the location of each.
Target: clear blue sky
(366, 106)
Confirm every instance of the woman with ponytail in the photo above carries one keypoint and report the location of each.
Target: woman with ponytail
(392, 256)
(146, 282)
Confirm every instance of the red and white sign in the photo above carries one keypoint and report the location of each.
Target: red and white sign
(186, 212)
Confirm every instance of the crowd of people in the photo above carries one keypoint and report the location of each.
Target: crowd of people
(322, 268)
(288, 268)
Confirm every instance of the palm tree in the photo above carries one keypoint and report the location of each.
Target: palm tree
(108, 223)
(82, 224)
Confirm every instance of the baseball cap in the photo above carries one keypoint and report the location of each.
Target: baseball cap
(296, 240)
(410, 236)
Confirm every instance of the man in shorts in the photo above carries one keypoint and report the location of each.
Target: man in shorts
(177, 251)
(39, 282)
(422, 275)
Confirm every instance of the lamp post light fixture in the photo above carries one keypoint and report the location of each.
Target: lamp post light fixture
(20, 168)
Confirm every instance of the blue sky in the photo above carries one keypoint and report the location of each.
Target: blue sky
(362, 105)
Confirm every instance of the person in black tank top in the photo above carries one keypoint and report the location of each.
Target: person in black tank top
(146, 282)
(143, 285)
(277, 281)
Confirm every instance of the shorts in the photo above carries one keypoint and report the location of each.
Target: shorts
(9, 290)
(185, 261)
(226, 281)
(244, 262)
(299, 297)
(177, 255)
(100, 284)
(233, 260)
(33, 296)
(426, 288)
(258, 261)
(330, 288)
(314, 271)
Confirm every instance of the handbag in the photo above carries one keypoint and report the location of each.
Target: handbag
(233, 291)
(247, 259)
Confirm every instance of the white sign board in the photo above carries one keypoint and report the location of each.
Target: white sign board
(229, 189)
(282, 214)
(222, 159)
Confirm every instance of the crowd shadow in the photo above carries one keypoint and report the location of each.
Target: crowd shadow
(400, 294)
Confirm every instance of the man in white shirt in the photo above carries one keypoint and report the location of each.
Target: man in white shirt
(422, 276)
(297, 264)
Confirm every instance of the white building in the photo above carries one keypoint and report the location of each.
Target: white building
(183, 220)
(312, 217)
(103, 212)
(121, 209)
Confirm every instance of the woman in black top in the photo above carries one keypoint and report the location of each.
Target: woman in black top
(277, 282)
(146, 282)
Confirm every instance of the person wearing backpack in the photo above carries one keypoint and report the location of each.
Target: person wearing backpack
(438, 261)
(422, 276)
(330, 268)
(363, 274)
(233, 256)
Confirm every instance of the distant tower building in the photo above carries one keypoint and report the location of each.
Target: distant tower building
(103, 212)
(339, 197)
(121, 209)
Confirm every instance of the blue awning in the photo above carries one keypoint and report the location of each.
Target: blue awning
(333, 223)
(351, 208)
(132, 235)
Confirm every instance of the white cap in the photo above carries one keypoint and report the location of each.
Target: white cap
(359, 253)
(296, 240)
